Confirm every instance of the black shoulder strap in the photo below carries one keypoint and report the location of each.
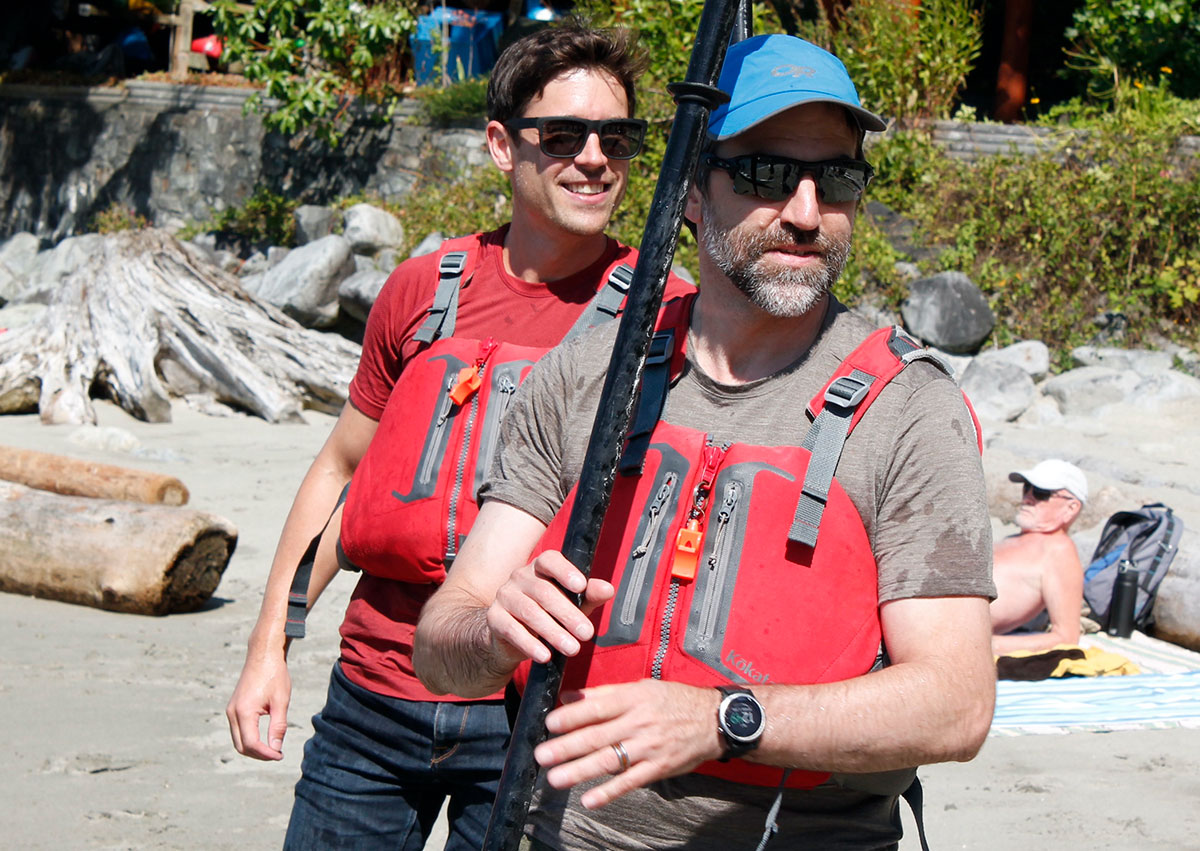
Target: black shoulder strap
(297, 609)
(606, 304)
(656, 381)
(444, 310)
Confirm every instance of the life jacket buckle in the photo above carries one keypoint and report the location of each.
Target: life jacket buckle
(846, 392)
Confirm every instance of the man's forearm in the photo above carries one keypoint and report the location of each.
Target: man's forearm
(454, 652)
(899, 717)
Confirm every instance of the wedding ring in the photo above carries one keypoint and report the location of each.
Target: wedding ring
(622, 756)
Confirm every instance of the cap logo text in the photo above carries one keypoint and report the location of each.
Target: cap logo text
(792, 71)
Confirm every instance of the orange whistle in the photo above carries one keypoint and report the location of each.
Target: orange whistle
(468, 382)
(687, 551)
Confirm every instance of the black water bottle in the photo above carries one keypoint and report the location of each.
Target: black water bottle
(1124, 598)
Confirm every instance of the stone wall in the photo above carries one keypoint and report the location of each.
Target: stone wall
(176, 154)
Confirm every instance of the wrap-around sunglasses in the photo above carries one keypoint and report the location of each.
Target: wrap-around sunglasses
(564, 136)
(775, 178)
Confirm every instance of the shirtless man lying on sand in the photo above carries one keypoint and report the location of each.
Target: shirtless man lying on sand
(1038, 569)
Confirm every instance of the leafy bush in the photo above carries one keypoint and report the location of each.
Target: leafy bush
(907, 60)
(463, 99)
(312, 54)
(1119, 42)
(1104, 223)
(115, 218)
(265, 219)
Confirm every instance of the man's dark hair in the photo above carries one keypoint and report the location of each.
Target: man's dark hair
(528, 64)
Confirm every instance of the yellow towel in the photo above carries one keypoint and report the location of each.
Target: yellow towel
(1071, 661)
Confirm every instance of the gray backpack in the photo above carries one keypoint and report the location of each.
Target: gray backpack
(1144, 540)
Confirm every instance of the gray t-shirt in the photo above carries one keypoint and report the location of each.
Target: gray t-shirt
(912, 469)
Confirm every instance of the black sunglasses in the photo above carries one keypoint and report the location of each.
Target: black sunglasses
(776, 178)
(1041, 494)
(563, 136)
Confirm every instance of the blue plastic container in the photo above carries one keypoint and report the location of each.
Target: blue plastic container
(472, 40)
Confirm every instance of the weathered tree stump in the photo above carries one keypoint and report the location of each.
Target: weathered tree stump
(121, 556)
(73, 477)
(151, 318)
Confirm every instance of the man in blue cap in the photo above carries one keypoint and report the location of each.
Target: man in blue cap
(788, 607)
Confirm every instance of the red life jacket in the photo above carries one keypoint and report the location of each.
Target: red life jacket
(412, 499)
(720, 574)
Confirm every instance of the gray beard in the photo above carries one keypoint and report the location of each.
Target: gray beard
(780, 291)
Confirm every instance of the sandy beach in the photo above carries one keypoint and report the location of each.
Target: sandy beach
(118, 740)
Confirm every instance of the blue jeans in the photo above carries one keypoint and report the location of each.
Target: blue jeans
(378, 769)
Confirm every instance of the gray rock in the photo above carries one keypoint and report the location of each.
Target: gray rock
(957, 363)
(1140, 361)
(18, 253)
(1043, 412)
(275, 255)
(1163, 388)
(16, 315)
(51, 267)
(10, 285)
(1080, 392)
(305, 283)
(1030, 355)
(948, 310)
(357, 293)
(1000, 391)
(428, 245)
(370, 229)
(313, 223)
(255, 264)
(206, 242)
(387, 260)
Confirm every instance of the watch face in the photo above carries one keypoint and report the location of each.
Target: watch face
(743, 717)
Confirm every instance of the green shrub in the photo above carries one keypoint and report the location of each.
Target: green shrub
(115, 218)
(907, 61)
(460, 100)
(313, 55)
(1116, 43)
(265, 219)
(1104, 223)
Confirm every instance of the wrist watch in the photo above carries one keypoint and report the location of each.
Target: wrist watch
(741, 720)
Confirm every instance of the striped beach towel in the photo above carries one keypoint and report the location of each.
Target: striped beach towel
(1166, 695)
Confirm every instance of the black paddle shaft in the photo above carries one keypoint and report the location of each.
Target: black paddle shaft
(695, 98)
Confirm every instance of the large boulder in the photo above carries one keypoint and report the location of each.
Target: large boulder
(1080, 392)
(1031, 356)
(1000, 391)
(370, 229)
(1140, 361)
(50, 268)
(357, 294)
(17, 256)
(305, 283)
(313, 223)
(948, 310)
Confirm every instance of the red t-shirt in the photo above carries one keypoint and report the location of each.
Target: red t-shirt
(377, 633)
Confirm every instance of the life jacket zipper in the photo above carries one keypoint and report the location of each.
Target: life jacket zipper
(469, 381)
(688, 543)
(439, 426)
(718, 563)
(642, 564)
(506, 387)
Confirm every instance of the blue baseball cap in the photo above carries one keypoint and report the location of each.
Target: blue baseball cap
(768, 74)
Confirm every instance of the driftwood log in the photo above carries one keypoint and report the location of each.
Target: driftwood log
(73, 477)
(150, 318)
(121, 556)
